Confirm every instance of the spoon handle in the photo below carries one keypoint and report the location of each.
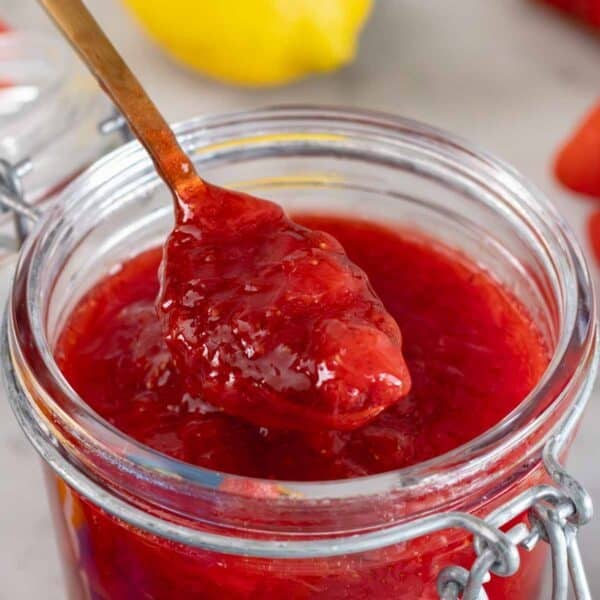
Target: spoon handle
(115, 77)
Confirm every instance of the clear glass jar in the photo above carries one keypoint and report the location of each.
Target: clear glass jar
(134, 523)
(50, 111)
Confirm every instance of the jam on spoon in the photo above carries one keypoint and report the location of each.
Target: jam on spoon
(272, 322)
(265, 319)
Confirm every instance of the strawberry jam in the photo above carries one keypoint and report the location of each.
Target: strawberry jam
(270, 321)
(473, 354)
(471, 349)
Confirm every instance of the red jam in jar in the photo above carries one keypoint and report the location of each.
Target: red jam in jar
(472, 350)
(473, 353)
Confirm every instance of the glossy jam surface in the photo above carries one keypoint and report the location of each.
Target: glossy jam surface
(473, 354)
(271, 321)
(472, 351)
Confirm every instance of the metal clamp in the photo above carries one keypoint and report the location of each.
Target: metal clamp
(116, 123)
(555, 514)
(12, 198)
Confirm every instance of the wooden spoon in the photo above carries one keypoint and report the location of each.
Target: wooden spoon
(115, 77)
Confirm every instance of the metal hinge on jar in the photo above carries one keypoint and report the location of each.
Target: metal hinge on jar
(12, 198)
(555, 514)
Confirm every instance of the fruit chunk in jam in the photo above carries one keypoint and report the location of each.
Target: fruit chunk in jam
(470, 346)
(271, 321)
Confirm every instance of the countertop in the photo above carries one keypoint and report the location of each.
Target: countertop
(509, 75)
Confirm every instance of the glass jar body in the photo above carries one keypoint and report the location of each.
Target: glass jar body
(107, 559)
(136, 524)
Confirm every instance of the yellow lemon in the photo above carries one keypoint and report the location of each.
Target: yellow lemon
(256, 42)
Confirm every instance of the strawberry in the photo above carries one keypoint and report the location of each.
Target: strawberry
(577, 165)
(585, 10)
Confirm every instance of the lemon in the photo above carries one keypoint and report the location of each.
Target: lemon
(256, 42)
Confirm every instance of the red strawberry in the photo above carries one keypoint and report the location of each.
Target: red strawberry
(585, 10)
(577, 165)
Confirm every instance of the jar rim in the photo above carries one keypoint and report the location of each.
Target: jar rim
(574, 348)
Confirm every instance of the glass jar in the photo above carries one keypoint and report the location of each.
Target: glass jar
(50, 112)
(134, 523)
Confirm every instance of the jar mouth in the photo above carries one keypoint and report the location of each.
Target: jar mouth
(28, 354)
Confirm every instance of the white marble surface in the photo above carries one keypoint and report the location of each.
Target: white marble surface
(506, 74)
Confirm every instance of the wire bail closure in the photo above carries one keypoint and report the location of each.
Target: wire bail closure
(12, 197)
(555, 514)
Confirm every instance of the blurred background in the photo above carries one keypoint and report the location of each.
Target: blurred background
(513, 76)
